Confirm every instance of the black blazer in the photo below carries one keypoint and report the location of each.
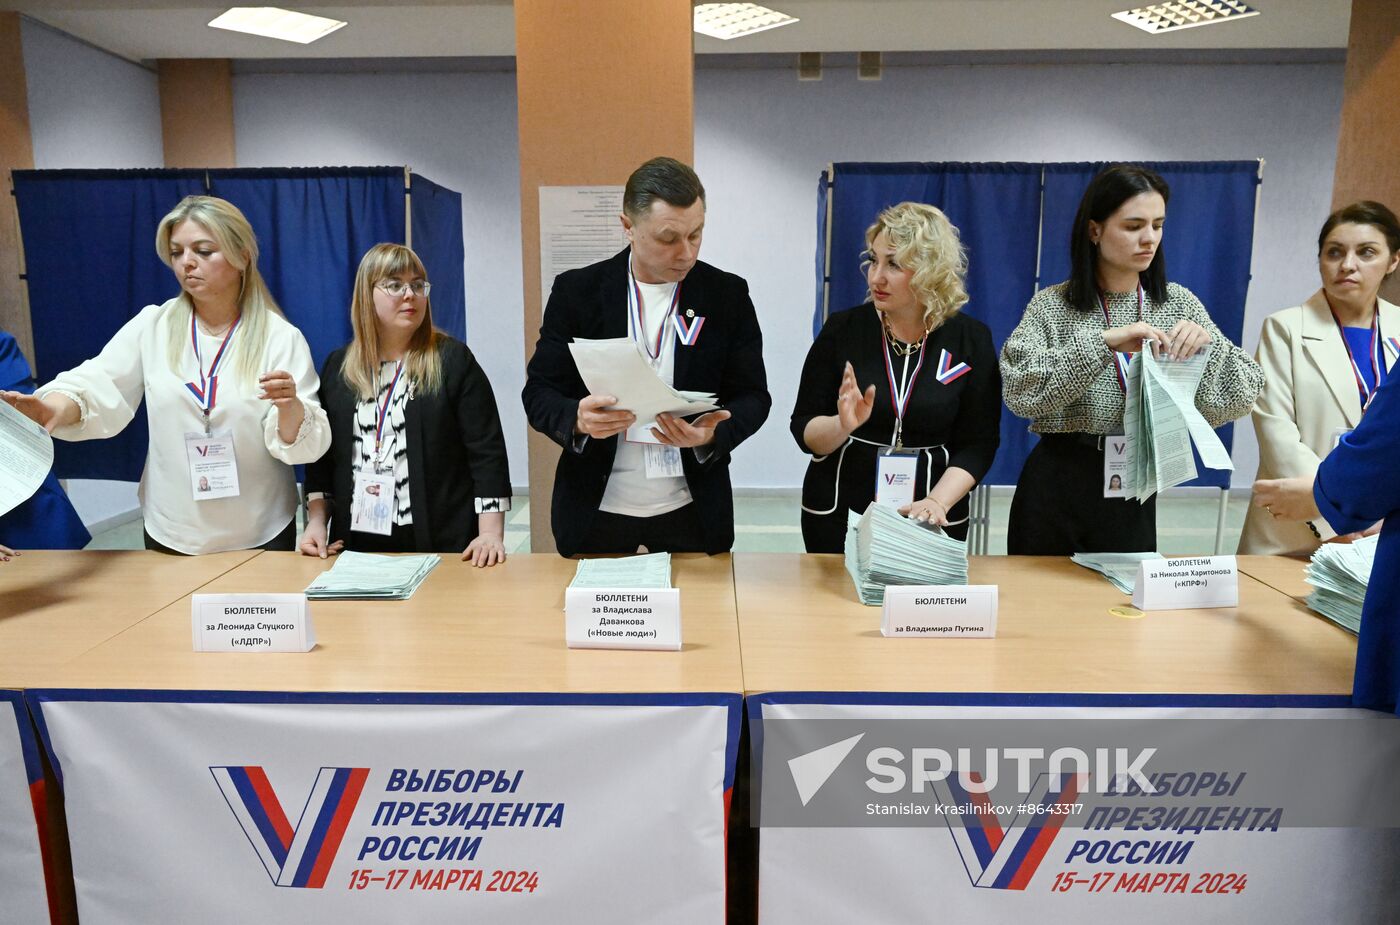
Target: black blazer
(727, 359)
(456, 451)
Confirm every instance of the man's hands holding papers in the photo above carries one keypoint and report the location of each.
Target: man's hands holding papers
(599, 420)
(675, 431)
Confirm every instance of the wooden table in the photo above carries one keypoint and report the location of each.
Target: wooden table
(1282, 573)
(803, 629)
(465, 630)
(54, 606)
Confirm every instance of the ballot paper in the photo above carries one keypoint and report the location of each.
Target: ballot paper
(1120, 568)
(614, 367)
(1340, 573)
(358, 576)
(1161, 422)
(885, 548)
(647, 571)
(26, 456)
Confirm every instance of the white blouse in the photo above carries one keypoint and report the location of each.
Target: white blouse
(133, 366)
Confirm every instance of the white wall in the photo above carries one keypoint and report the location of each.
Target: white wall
(456, 129)
(762, 138)
(90, 109)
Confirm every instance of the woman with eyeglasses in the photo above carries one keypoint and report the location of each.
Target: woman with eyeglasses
(229, 388)
(418, 460)
(900, 398)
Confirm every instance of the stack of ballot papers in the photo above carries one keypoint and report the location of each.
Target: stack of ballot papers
(1120, 568)
(358, 576)
(648, 571)
(885, 548)
(1161, 422)
(1339, 572)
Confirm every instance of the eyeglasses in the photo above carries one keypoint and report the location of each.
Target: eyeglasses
(398, 288)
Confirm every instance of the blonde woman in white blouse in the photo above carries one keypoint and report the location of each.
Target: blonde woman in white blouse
(229, 387)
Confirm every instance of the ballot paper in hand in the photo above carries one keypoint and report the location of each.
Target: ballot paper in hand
(885, 548)
(647, 571)
(1161, 422)
(26, 456)
(614, 367)
(1120, 568)
(362, 576)
(1340, 573)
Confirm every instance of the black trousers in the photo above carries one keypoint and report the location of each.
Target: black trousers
(285, 541)
(401, 540)
(1059, 508)
(676, 531)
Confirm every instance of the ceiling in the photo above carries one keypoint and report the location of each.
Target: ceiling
(471, 28)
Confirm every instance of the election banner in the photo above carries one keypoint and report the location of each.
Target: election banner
(239, 807)
(1000, 808)
(23, 895)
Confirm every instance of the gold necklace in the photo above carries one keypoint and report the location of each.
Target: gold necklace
(900, 347)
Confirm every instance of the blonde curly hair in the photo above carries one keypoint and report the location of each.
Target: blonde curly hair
(927, 243)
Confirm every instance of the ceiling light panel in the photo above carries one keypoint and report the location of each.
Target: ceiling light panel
(1185, 14)
(732, 20)
(275, 23)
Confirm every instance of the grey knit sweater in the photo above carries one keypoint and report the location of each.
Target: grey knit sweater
(1057, 371)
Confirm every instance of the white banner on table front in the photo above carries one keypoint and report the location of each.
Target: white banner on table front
(1187, 584)
(22, 894)
(622, 618)
(604, 810)
(1009, 865)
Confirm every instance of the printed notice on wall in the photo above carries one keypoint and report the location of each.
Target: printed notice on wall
(579, 226)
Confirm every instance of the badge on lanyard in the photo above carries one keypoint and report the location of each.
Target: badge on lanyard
(1338, 434)
(213, 466)
(1115, 466)
(900, 392)
(896, 476)
(372, 507)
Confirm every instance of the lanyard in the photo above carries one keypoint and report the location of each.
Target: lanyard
(1120, 360)
(639, 331)
(206, 393)
(901, 393)
(1365, 392)
(381, 412)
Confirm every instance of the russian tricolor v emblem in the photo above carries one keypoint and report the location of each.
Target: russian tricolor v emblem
(300, 856)
(1005, 859)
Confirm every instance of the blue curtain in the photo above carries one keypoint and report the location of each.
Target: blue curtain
(90, 260)
(996, 208)
(1008, 219)
(437, 238)
(313, 226)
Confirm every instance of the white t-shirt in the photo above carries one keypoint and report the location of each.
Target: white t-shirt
(629, 491)
(133, 366)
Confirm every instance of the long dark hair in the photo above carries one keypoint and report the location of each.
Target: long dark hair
(1113, 186)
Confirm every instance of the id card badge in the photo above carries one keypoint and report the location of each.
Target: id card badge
(661, 460)
(1338, 434)
(1115, 466)
(372, 507)
(213, 466)
(896, 472)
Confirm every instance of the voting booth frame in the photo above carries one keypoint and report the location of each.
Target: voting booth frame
(312, 224)
(614, 808)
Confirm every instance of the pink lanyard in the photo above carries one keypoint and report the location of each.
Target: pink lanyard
(1120, 360)
(381, 414)
(1377, 363)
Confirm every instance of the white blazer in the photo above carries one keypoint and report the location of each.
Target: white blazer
(1309, 394)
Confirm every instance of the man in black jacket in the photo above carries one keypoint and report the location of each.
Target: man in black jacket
(665, 487)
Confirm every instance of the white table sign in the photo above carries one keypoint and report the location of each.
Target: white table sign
(940, 610)
(622, 618)
(1187, 584)
(251, 623)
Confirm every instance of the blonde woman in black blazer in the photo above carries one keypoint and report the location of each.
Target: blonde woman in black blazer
(417, 460)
